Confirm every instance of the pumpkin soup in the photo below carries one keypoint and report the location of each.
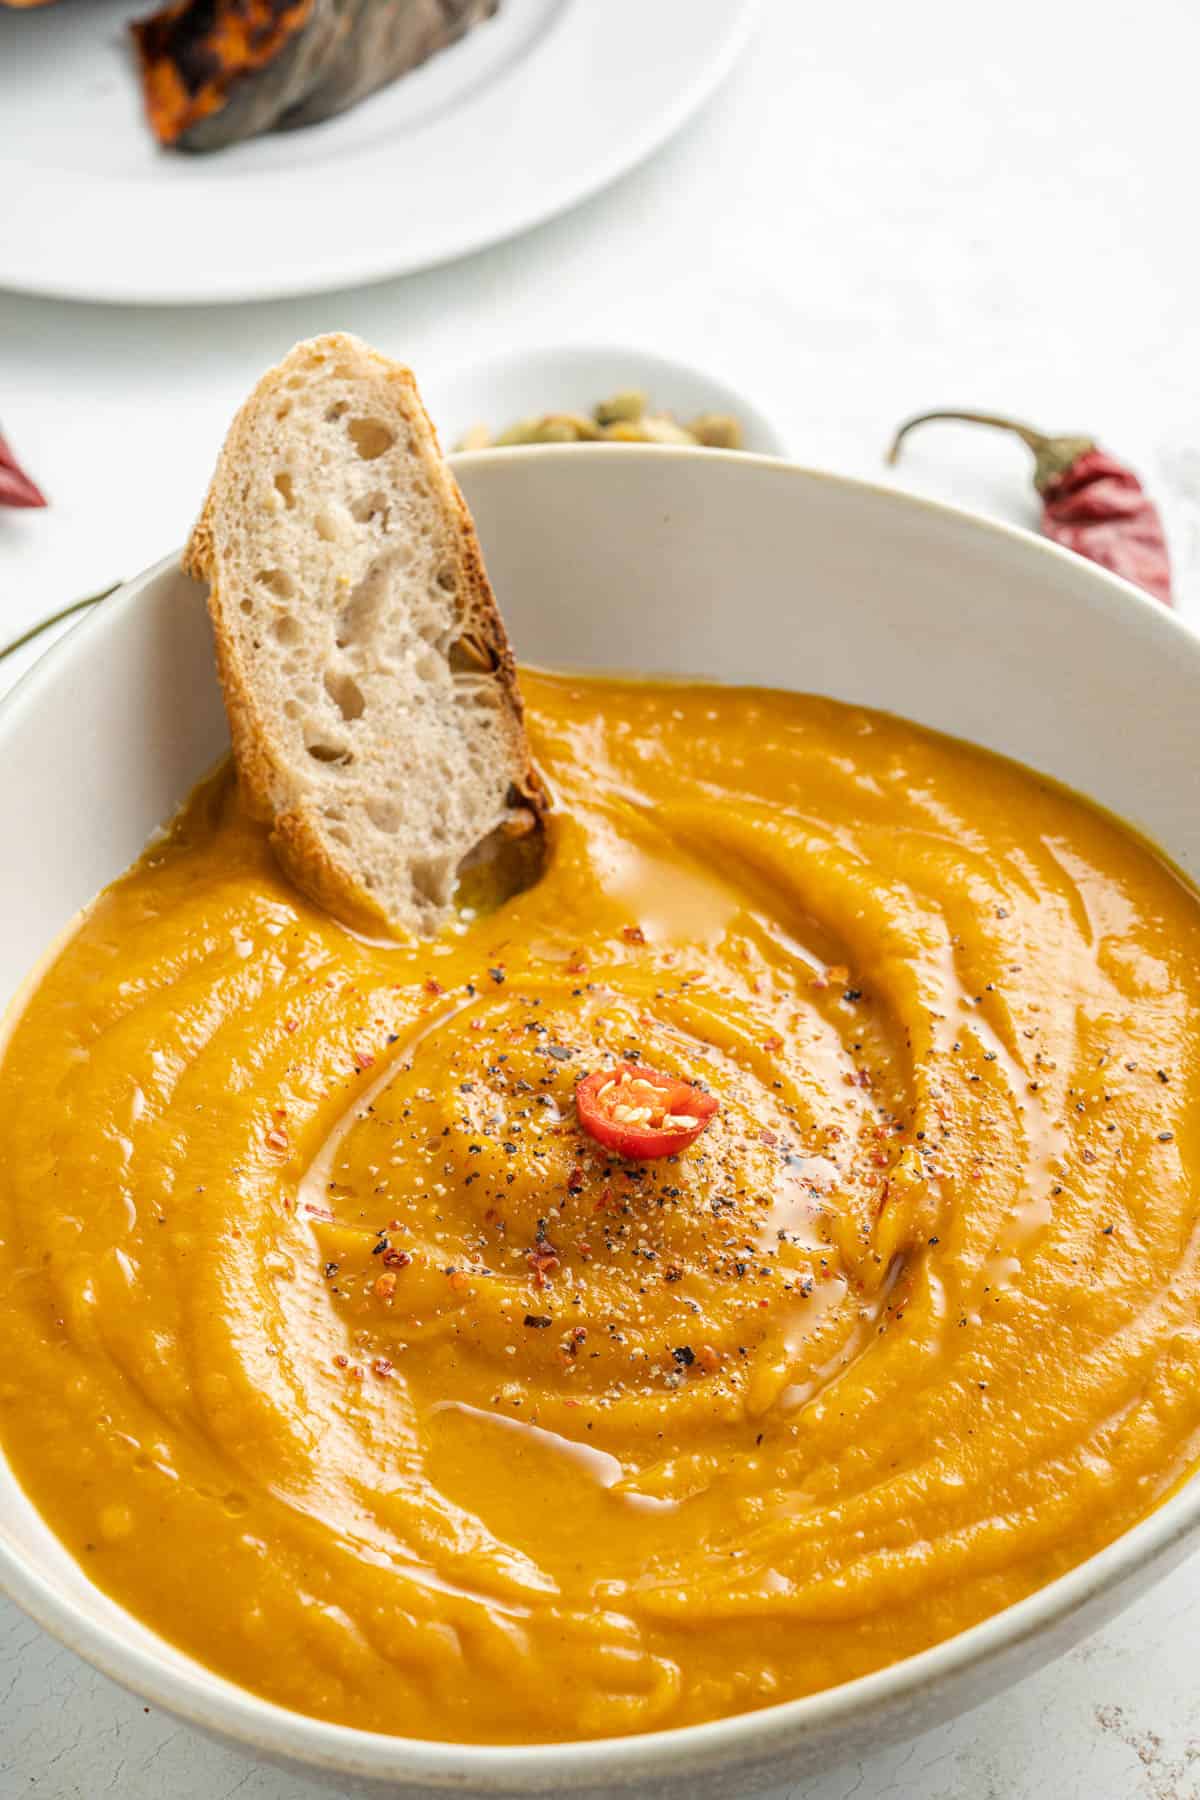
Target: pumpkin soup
(337, 1349)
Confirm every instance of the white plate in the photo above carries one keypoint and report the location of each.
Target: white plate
(525, 116)
(656, 559)
(520, 384)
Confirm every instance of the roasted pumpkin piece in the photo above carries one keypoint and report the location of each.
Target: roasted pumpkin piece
(215, 72)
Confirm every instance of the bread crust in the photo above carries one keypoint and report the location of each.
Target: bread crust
(303, 850)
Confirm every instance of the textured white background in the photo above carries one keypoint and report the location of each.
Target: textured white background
(889, 206)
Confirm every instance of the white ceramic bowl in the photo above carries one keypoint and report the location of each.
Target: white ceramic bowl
(738, 567)
(541, 378)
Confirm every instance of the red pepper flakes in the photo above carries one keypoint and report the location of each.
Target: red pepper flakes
(396, 1259)
(362, 1061)
(381, 1368)
(434, 987)
(543, 1263)
(773, 1044)
(1091, 503)
(277, 1139)
(384, 1287)
(633, 934)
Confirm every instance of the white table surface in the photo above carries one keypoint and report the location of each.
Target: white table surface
(889, 207)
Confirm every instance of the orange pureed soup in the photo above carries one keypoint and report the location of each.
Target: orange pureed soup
(335, 1350)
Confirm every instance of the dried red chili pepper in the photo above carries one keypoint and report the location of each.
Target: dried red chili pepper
(16, 489)
(1091, 503)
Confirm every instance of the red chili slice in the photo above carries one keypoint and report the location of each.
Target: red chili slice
(640, 1113)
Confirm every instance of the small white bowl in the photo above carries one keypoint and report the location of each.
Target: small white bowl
(733, 566)
(523, 384)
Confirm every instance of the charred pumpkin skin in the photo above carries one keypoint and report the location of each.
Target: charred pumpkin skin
(215, 72)
(379, 43)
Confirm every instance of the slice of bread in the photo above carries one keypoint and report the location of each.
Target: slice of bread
(371, 692)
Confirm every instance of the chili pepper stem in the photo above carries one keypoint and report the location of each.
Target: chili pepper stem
(65, 612)
(1052, 455)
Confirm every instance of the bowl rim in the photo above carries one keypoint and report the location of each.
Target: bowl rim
(213, 1704)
